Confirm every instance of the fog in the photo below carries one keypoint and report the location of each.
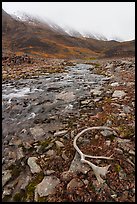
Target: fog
(114, 20)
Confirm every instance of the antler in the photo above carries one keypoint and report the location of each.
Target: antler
(97, 170)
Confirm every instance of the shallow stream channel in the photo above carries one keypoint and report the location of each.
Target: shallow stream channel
(43, 100)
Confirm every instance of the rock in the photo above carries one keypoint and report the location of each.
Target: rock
(7, 192)
(78, 166)
(118, 94)
(64, 156)
(86, 182)
(26, 182)
(49, 146)
(74, 184)
(120, 151)
(59, 144)
(106, 133)
(27, 145)
(114, 84)
(122, 175)
(60, 133)
(49, 172)
(97, 99)
(47, 186)
(124, 144)
(85, 102)
(34, 167)
(67, 176)
(108, 142)
(51, 153)
(37, 132)
(96, 92)
(131, 162)
(132, 152)
(6, 175)
(109, 66)
(108, 123)
(72, 134)
(66, 96)
(126, 109)
(20, 153)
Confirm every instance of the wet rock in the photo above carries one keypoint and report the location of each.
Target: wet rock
(74, 184)
(6, 175)
(66, 96)
(34, 167)
(59, 144)
(78, 166)
(118, 94)
(46, 187)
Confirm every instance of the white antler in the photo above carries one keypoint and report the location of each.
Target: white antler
(97, 170)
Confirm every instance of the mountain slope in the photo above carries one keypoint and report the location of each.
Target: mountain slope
(37, 37)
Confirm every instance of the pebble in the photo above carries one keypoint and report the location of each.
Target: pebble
(59, 144)
(74, 184)
(114, 84)
(67, 175)
(60, 133)
(108, 142)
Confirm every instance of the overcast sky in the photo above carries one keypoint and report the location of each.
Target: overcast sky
(112, 19)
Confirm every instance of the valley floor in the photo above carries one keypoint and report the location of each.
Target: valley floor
(45, 104)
